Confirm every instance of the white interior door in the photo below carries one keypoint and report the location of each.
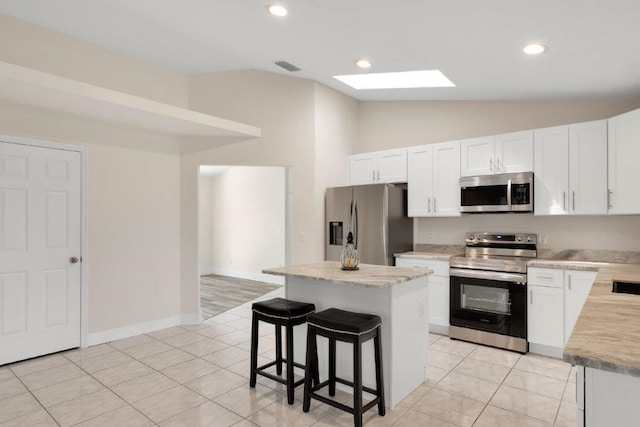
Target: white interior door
(40, 233)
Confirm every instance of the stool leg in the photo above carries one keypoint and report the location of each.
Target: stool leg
(290, 378)
(278, 349)
(357, 383)
(379, 380)
(254, 351)
(316, 368)
(309, 368)
(332, 367)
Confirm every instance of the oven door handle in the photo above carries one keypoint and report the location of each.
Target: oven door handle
(520, 279)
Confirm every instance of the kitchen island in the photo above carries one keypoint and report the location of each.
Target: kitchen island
(605, 345)
(398, 295)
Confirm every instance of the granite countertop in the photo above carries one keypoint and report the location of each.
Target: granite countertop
(433, 252)
(607, 333)
(370, 276)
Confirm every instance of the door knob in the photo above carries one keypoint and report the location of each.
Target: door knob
(74, 260)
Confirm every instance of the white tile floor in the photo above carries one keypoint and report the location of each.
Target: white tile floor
(198, 375)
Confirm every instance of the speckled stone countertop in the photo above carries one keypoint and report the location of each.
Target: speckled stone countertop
(370, 276)
(433, 252)
(607, 333)
(582, 259)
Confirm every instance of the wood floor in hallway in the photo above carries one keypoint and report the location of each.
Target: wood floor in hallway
(221, 293)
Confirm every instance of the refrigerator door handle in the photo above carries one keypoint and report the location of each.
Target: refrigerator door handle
(356, 234)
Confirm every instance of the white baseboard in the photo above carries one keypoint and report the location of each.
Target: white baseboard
(96, 338)
(546, 350)
(439, 329)
(268, 278)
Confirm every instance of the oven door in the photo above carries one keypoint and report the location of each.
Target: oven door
(489, 301)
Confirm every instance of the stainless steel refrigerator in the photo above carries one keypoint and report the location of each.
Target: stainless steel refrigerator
(377, 216)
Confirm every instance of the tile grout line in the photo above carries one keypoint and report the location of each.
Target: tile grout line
(36, 399)
(108, 388)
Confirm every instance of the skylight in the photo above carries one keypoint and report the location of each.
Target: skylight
(398, 80)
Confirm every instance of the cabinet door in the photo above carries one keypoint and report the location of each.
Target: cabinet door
(577, 286)
(587, 168)
(362, 169)
(545, 316)
(514, 152)
(477, 156)
(392, 166)
(420, 180)
(439, 300)
(551, 170)
(446, 179)
(624, 150)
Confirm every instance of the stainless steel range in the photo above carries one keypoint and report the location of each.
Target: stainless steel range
(489, 290)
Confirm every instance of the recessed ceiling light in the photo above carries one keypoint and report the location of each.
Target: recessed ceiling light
(277, 10)
(535, 49)
(363, 63)
(399, 80)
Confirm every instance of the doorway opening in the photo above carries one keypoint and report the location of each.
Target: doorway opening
(243, 227)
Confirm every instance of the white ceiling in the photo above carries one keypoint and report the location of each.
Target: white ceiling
(593, 44)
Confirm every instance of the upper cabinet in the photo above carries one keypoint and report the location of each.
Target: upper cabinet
(433, 179)
(506, 153)
(570, 173)
(624, 150)
(377, 168)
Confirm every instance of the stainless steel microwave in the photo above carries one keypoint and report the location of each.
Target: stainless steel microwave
(507, 192)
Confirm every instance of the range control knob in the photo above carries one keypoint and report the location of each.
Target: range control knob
(529, 239)
(519, 238)
(470, 237)
(479, 236)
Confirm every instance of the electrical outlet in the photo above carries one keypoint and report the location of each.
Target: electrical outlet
(542, 239)
(301, 236)
(431, 236)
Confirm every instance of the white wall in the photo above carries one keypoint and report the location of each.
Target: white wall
(284, 108)
(395, 124)
(133, 216)
(205, 225)
(29, 45)
(248, 222)
(564, 232)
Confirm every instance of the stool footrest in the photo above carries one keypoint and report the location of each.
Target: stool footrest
(279, 379)
(350, 384)
(270, 364)
(332, 402)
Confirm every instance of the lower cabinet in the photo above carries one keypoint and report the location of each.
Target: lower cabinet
(555, 298)
(608, 399)
(438, 291)
(545, 316)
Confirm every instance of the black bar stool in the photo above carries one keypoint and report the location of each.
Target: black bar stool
(279, 312)
(346, 326)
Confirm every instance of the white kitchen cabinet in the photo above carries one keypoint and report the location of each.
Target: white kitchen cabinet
(506, 153)
(624, 150)
(610, 399)
(577, 285)
(551, 171)
(433, 179)
(545, 316)
(570, 174)
(378, 168)
(556, 298)
(438, 291)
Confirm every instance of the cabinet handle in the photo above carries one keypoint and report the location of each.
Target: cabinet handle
(429, 204)
(491, 165)
(573, 200)
(378, 176)
(609, 194)
(435, 209)
(531, 297)
(569, 282)
(564, 201)
(498, 164)
(373, 178)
